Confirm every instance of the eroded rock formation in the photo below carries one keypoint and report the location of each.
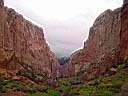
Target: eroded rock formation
(23, 44)
(105, 47)
(124, 32)
(101, 50)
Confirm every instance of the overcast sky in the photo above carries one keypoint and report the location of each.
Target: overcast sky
(65, 22)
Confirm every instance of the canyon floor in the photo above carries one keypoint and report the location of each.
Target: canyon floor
(114, 84)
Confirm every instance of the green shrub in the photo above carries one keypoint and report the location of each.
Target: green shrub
(38, 94)
(29, 74)
(117, 84)
(26, 66)
(53, 93)
(41, 88)
(107, 93)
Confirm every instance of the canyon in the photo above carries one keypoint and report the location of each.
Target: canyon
(26, 57)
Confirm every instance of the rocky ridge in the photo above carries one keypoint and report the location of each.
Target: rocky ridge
(105, 47)
(23, 46)
(101, 49)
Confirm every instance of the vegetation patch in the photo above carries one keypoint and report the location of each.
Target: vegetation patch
(114, 85)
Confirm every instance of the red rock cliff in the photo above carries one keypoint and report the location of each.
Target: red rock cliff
(106, 45)
(101, 50)
(22, 42)
(124, 32)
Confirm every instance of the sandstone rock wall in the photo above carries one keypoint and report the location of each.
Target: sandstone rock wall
(124, 32)
(101, 50)
(22, 42)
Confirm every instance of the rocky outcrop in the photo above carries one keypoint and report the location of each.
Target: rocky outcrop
(125, 2)
(124, 32)
(106, 46)
(101, 50)
(23, 43)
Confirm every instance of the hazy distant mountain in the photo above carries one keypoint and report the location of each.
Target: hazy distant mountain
(63, 60)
